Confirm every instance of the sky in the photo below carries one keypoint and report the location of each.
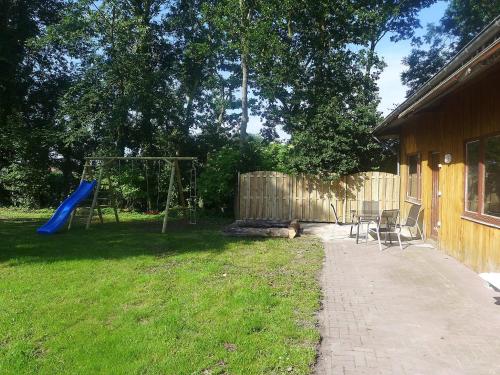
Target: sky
(392, 92)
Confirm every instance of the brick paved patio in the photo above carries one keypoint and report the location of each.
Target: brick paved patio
(416, 311)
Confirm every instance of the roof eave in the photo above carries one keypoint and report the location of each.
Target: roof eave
(451, 68)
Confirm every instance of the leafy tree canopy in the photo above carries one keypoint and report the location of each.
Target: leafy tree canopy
(463, 19)
(164, 77)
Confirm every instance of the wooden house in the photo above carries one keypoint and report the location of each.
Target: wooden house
(449, 136)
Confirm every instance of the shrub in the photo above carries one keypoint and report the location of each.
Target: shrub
(217, 184)
(25, 184)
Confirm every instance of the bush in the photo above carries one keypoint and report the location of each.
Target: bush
(28, 186)
(217, 184)
(138, 186)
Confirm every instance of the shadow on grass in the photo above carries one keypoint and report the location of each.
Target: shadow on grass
(20, 242)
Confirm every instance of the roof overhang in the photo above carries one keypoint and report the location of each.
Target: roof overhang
(480, 54)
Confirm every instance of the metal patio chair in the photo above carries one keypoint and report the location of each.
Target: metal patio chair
(369, 211)
(412, 220)
(387, 224)
(337, 221)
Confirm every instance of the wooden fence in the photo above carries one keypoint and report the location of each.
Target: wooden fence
(278, 196)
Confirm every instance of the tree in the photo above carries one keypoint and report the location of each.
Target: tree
(240, 27)
(196, 48)
(245, 19)
(315, 86)
(125, 94)
(382, 17)
(461, 22)
(31, 81)
(209, 72)
(182, 76)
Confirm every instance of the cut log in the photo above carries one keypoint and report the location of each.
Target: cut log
(263, 228)
(261, 223)
(257, 232)
(293, 229)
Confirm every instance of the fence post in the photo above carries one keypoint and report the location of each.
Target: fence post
(344, 218)
(237, 205)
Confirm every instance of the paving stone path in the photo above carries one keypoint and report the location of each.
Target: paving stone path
(417, 311)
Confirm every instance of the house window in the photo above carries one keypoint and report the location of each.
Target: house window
(482, 179)
(414, 179)
(472, 163)
(492, 176)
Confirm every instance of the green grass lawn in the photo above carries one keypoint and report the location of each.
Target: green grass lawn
(125, 299)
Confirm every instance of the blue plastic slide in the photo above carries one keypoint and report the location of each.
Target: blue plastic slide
(64, 210)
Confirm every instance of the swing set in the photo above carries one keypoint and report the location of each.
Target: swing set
(99, 166)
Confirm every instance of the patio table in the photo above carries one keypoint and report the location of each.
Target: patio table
(367, 217)
(370, 216)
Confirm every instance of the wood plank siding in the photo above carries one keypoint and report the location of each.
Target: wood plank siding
(472, 111)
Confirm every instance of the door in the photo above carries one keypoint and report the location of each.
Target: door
(434, 165)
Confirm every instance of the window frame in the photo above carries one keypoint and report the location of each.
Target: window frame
(418, 198)
(479, 215)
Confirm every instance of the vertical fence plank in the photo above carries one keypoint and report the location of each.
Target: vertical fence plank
(248, 196)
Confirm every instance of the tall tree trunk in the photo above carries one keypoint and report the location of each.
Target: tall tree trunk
(118, 96)
(245, 22)
(146, 107)
(370, 58)
(189, 117)
(370, 61)
(222, 109)
(244, 97)
(220, 118)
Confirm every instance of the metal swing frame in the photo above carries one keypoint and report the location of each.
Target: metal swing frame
(175, 174)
